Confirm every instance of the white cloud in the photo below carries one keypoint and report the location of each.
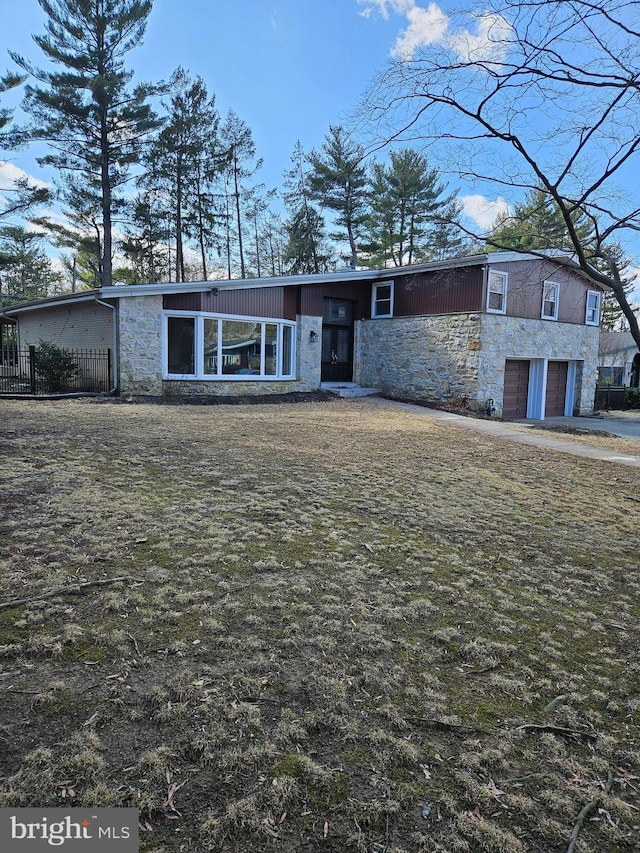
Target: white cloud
(426, 26)
(482, 211)
(402, 7)
(10, 173)
(430, 25)
(490, 43)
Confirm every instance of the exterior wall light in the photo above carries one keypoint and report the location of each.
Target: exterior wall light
(313, 336)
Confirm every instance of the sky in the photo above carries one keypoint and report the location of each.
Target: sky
(288, 68)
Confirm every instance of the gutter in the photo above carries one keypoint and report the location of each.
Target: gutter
(113, 390)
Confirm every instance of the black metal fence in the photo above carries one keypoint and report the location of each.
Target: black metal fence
(38, 371)
(610, 397)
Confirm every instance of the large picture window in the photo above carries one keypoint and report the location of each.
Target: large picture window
(205, 346)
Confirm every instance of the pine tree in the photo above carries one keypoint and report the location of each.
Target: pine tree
(25, 271)
(241, 164)
(182, 164)
(93, 123)
(536, 223)
(408, 210)
(306, 250)
(338, 181)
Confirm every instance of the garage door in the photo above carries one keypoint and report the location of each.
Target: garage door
(556, 388)
(516, 388)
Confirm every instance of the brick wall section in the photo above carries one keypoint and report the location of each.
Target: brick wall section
(461, 357)
(140, 334)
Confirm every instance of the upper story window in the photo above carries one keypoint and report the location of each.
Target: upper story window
(497, 292)
(550, 296)
(206, 346)
(592, 317)
(382, 300)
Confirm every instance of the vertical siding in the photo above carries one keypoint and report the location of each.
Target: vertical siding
(524, 290)
(85, 325)
(250, 302)
(447, 291)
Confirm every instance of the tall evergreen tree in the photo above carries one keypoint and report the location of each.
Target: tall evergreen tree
(338, 181)
(25, 271)
(182, 163)
(306, 250)
(536, 223)
(237, 141)
(408, 209)
(84, 109)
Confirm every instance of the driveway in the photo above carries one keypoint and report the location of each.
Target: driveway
(625, 425)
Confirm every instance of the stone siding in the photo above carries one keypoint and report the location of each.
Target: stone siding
(461, 357)
(420, 358)
(140, 366)
(140, 345)
(513, 337)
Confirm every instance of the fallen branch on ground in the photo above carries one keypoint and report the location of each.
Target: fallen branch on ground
(63, 590)
(585, 812)
(557, 730)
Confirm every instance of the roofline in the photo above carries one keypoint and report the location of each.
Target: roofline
(161, 288)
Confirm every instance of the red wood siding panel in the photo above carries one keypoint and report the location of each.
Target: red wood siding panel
(516, 389)
(311, 300)
(251, 302)
(556, 388)
(442, 292)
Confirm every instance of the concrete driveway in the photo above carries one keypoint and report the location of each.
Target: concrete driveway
(550, 440)
(622, 424)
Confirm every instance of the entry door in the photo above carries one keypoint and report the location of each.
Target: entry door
(337, 340)
(556, 389)
(516, 389)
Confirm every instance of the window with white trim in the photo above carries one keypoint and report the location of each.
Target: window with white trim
(550, 298)
(497, 292)
(592, 317)
(382, 300)
(210, 346)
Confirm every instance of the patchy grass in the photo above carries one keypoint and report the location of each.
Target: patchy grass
(344, 629)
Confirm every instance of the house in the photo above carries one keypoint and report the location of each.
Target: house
(515, 333)
(619, 359)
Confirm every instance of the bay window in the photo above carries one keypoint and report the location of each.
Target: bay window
(206, 346)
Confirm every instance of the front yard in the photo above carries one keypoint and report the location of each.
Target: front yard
(340, 628)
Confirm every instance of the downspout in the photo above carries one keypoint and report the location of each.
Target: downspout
(113, 390)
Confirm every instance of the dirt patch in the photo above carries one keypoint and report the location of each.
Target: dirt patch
(340, 628)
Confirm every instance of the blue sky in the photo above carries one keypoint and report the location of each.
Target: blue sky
(289, 68)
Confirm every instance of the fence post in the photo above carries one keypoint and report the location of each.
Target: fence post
(109, 385)
(32, 368)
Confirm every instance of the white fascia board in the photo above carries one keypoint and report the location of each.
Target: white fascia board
(53, 302)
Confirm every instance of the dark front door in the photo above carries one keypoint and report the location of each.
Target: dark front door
(337, 340)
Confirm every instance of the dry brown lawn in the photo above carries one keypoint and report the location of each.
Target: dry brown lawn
(342, 629)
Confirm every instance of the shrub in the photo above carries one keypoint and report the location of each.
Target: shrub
(632, 398)
(55, 366)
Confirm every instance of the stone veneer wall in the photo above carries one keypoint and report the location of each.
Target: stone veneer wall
(461, 356)
(140, 345)
(140, 350)
(420, 358)
(513, 337)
